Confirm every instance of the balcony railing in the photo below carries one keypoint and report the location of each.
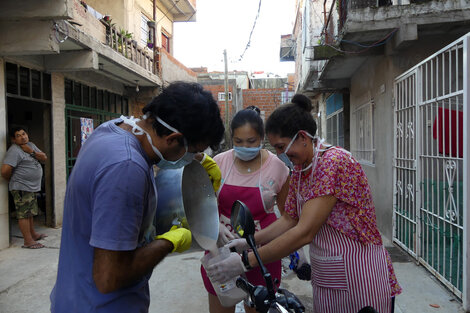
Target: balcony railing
(119, 42)
(88, 20)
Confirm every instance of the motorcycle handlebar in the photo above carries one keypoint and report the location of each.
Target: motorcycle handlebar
(258, 295)
(292, 301)
(244, 285)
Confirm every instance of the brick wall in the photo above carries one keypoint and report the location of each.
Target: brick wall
(215, 89)
(266, 100)
(137, 100)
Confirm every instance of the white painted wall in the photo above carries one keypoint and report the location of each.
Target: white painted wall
(366, 83)
(4, 214)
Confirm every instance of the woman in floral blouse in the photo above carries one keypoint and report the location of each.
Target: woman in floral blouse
(330, 207)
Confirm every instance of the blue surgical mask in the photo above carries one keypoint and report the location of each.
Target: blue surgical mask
(163, 163)
(247, 153)
(284, 158)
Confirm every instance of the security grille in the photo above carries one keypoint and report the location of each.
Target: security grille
(363, 147)
(82, 101)
(430, 166)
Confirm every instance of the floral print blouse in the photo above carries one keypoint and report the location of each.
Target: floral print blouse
(338, 174)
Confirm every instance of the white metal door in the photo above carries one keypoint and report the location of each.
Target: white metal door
(405, 164)
(430, 210)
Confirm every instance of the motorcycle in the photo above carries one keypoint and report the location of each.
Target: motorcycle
(265, 299)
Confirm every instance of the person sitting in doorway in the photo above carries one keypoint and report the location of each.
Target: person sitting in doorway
(21, 168)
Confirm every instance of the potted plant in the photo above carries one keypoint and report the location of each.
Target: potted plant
(151, 23)
(124, 37)
(107, 19)
(108, 23)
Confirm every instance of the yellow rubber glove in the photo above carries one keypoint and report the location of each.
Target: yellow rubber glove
(179, 237)
(212, 170)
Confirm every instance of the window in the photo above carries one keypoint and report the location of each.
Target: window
(286, 96)
(36, 84)
(334, 129)
(86, 96)
(22, 81)
(363, 138)
(221, 96)
(166, 42)
(144, 30)
(334, 120)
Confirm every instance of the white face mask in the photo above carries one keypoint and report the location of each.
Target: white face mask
(163, 163)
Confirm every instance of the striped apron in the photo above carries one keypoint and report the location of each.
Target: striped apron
(347, 275)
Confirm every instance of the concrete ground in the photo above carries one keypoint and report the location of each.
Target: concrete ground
(27, 277)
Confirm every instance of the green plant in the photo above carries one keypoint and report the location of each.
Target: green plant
(124, 35)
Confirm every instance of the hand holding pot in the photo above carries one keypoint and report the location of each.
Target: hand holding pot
(212, 170)
(179, 237)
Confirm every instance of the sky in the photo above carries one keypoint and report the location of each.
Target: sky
(226, 24)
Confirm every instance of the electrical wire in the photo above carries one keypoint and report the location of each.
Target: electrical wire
(378, 43)
(251, 33)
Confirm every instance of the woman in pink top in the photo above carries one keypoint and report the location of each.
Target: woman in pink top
(256, 177)
(329, 206)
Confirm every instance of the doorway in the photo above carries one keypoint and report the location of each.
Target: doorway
(35, 118)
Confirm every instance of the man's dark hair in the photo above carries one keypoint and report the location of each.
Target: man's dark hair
(249, 115)
(288, 119)
(191, 110)
(13, 131)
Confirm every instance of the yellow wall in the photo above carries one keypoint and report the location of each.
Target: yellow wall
(165, 23)
(126, 14)
(114, 8)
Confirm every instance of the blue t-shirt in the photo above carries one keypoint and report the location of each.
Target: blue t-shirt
(110, 203)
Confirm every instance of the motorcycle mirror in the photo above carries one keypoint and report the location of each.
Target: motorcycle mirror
(244, 225)
(242, 220)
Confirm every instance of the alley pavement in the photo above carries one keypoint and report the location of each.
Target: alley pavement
(27, 278)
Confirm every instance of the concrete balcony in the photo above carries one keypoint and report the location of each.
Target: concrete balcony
(375, 30)
(181, 10)
(72, 39)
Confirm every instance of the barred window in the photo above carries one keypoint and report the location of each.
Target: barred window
(334, 129)
(144, 30)
(221, 96)
(363, 147)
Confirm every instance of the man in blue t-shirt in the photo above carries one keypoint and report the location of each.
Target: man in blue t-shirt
(107, 250)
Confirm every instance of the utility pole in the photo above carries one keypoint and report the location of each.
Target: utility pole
(226, 89)
(227, 135)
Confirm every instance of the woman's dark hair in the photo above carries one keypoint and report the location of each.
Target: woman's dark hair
(249, 115)
(191, 110)
(288, 119)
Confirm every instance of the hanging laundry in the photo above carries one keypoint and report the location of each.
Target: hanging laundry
(448, 131)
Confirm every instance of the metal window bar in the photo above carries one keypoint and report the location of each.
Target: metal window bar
(364, 144)
(442, 161)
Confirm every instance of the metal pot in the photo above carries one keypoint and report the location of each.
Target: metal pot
(186, 198)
